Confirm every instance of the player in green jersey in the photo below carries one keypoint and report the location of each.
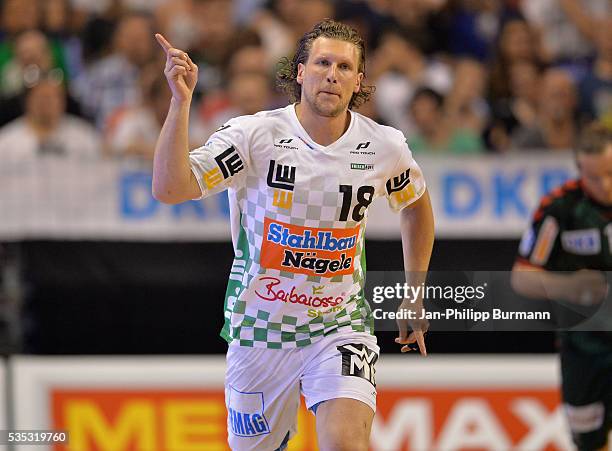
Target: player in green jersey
(562, 258)
(299, 181)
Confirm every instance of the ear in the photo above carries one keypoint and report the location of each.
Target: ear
(300, 74)
(358, 83)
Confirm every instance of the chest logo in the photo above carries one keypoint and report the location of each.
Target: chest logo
(362, 149)
(362, 166)
(308, 250)
(281, 177)
(582, 242)
(285, 144)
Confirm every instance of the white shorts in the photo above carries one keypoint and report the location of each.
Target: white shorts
(263, 386)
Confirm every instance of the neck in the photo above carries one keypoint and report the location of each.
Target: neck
(41, 130)
(323, 130)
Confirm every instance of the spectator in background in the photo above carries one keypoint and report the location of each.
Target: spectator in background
(473, 26)
(113, 81)
(596, 87)
(33, 57)
(555, 125)
(517, 43)
(273, 24)
(133, 131)
(17, 16)
(215, 32)
(398, 68)
(177, 20)
(419, 19)
(566, 27)
(46, 129)
(518, 110)
(283, 21)
(247, 93)
(56, 23)
(437, 133)
(465, 105)
(311, 12)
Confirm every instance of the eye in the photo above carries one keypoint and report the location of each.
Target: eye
(324, 62)
(345, 66)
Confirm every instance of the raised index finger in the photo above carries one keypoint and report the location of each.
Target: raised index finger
(163, 42)
(420, 338)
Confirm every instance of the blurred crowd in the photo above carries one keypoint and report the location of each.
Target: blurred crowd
(85, 77)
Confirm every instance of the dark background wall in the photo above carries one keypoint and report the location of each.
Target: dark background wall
(167, 298)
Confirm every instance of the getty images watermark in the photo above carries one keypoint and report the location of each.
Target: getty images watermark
(474, 301)
(458, 294)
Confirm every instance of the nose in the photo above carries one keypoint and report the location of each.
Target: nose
(331, 74)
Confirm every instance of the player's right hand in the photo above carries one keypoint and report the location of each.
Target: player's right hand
(418, 326)
(180, 71)
(586, 287)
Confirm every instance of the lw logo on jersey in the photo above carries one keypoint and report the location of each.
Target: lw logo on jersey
(358, 360)
(245, 413)
(282, 178)
(229, 162)
(581, 242)
(399, 188)
(308, 250)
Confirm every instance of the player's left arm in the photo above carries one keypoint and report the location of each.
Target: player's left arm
(417, 230)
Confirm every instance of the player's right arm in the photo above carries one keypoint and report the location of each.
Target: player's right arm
(532, 274)
(173, 180)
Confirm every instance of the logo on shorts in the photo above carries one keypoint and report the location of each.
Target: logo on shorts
(245, 413)
(359, 360)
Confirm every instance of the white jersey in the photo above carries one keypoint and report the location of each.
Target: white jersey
(298, 214)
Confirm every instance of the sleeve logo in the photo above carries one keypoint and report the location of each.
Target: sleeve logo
(400, 188)
(282, 178)
(545, 241)
(229, 162)
(582, 242)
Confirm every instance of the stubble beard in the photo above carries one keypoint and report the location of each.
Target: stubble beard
(322, 110)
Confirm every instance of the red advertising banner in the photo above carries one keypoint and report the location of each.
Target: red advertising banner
(493, 418)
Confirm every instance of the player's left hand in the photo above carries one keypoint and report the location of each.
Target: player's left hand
(419, 328)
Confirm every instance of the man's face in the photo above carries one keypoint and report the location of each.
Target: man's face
(134, 39)
(45, 103)
(330, 76)
(596, 174)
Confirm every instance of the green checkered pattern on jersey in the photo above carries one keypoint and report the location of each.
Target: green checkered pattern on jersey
(255, 331)
(316, 203)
